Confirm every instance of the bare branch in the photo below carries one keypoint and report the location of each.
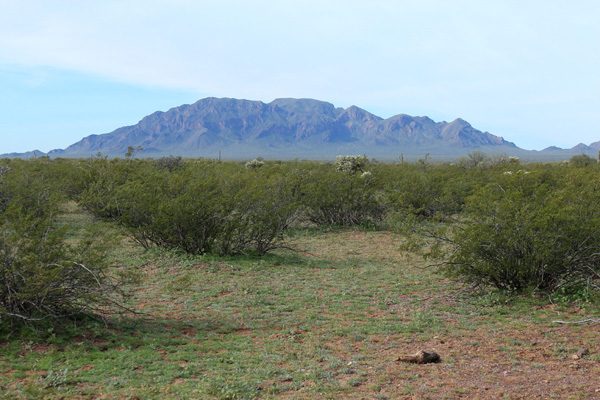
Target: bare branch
(589, 321)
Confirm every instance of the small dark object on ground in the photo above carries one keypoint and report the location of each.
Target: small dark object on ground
(422, 357)
(580, 353)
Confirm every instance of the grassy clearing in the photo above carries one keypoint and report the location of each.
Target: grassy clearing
(324, 322)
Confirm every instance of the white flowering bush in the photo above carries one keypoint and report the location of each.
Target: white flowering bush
(351, 164)
(254, 164)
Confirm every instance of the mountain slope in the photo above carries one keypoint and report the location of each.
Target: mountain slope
(283, 128)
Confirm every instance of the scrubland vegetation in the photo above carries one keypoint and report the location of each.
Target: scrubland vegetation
(176, 278)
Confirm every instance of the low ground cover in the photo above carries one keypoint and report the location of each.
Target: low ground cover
(324, 321)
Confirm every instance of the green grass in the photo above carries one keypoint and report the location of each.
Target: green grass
(326, 321)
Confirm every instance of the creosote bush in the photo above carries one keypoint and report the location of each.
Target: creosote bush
(170, 163)
(491, 219)
(41, 275)
(426, 191)
(528, 231)
(204, 208)
(581, 160)
(339, 199)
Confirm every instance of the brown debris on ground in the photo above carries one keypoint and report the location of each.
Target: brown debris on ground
(421, 357)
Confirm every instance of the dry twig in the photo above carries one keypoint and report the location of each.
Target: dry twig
(589, 321)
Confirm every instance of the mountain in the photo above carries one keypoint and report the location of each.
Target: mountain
(591, 149)
(595, 146)
(29, 154)
(286, 128)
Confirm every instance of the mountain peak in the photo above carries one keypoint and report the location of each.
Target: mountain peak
(595, 145)
(581, 148)
(285, 127)
(303, 105)
(354, 113)
(460, 122)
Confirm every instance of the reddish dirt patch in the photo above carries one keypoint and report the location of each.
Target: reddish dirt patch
(481, 359)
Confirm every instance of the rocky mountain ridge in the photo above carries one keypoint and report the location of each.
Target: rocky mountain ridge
(286, 128)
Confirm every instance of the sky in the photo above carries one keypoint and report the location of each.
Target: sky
(526, 70)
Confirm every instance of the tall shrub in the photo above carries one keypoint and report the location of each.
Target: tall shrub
(338, 198)
(530, 230)
(41, 275)
(206, 208)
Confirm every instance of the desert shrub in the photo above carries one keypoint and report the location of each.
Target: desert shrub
(41, 275)
(173, 210)
(427, 191)
(420, 192)
(581, 160)
(480, 159)
(206, 209)
(170, 163)
(473, 159)
(265, 206)
(4, 195)
(529, 230)
(333, 198)
(97, 182)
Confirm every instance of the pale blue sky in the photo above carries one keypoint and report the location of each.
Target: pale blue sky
(526, 70)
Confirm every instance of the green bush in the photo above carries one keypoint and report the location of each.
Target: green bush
(582, 160)
(204, 208)
(265, 206)
(41, 275)
(170, 163)
(530, 230)
(333, 198)
(97, 182)
(427, 191)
